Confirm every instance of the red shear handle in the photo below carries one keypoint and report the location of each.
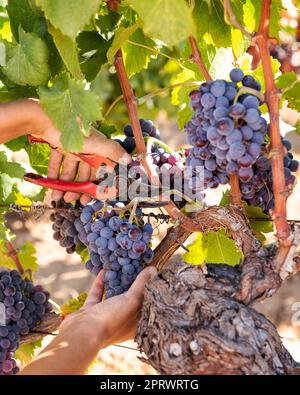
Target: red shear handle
(95, 161)
(95, 191)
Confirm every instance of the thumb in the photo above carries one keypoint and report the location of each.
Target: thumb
(137, 289)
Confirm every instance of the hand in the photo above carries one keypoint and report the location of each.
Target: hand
(95, 326)
(116, 318)
(68, 167)
(26, 116)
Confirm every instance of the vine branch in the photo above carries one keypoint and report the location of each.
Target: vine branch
(230, 18)
(276, 151)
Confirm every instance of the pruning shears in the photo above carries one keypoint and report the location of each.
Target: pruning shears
(100, 191)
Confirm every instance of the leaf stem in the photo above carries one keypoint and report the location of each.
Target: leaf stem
(14, 255)
(197, 58)
(230, 18)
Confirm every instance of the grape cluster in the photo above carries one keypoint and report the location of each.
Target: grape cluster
(114, 244)
(24, 305)
(226, 131)
(259, 191)
(63, 219)
(148, 130)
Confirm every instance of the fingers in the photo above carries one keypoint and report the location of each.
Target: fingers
(54, 165)
(84, 172)
(136, 291)
(68, 173)
(96, 292)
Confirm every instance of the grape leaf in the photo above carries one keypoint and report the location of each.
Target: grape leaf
(17, 144)
(211, 27)
(70, 16)
(184, 115)
(292, 95)
(23, 13)
(286, 80)
(64, 102)
(239, 42)
(121, 35)
(6, 189)
(22, 201)
(137, 58)
(38, 157)
(27, 62)
(27, 257)
(14, 170)
(221, 64)
(213, 247)
(250, 16)
(93, 49)
(6, 260)
(259, 221)
(170, 21)
(73, 305)
(25, 352)
(68, 51)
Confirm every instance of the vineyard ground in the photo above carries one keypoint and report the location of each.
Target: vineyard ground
(65, 277)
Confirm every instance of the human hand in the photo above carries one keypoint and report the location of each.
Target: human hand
(113, 320)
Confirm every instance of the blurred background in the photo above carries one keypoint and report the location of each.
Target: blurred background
(65, 276)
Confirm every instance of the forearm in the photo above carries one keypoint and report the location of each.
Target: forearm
(70, 353)
(20, 118)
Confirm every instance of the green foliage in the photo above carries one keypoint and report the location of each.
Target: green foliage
(170, 21)
(213, 247)
(73, 305)
(27, 61)
(70, 16)
(27, 257)
(64, 102)
(25, 352)
(13, 170)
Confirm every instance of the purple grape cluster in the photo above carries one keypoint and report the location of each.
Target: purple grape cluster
(259, 190)
(226, 134)
(114, 244)
(25, 305)
(148, 130)
(63, 219)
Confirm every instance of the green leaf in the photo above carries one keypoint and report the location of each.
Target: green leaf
(27, 62)
(6, 188)
(93, 50)
(121, 35)
(106, 129)
(250, 16)
(17, 144)
(68, 51)
(184, 115)
(292, 95)
(297, 130)
(14, 170)
(38, 157)
(73, 305)
(221, 64)
(23, 13)
(211, 27)
(170, 21)
(286, 80)
(259, 221)
(239, 42)
(137, 58)
(70, 16)
(258, 74)
(27, 257)
(213, 247)
(6, 260)
(64, 102)
(25, 352)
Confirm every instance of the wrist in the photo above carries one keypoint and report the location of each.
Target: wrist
(37, 120)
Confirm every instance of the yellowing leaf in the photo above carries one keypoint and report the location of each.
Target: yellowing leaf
(73, 305)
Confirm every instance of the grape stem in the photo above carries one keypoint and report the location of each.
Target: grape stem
(244, 90)
(235, 191)
(277, 151)
(12, 252)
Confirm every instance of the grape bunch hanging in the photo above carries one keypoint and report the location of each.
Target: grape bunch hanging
(24, 306)
(229, 136)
